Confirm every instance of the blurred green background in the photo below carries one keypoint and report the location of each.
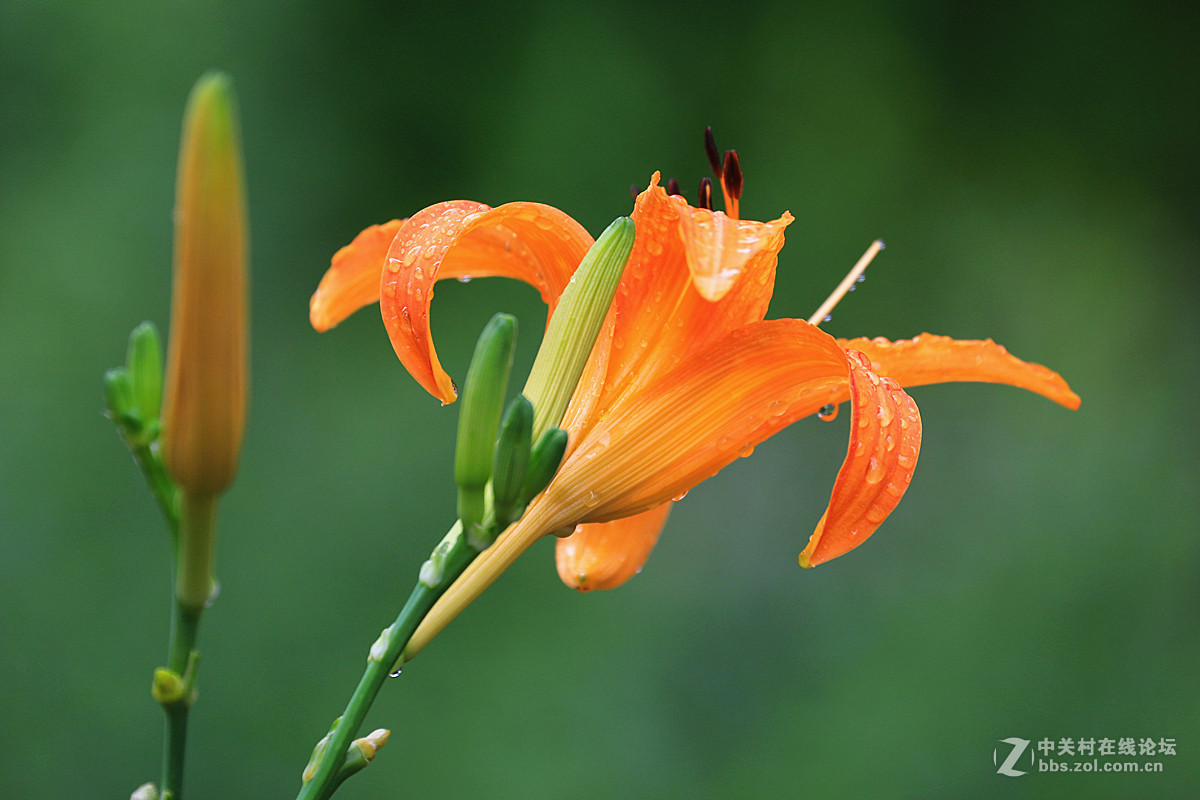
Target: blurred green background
(1034, 169)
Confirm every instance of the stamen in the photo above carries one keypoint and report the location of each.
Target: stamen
(731, 182)
(673, 187)
(710, 149)
(850, 280)
(705, 199)
(731, 175)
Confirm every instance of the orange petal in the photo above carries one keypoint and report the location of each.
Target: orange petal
(658, 442)
(719, 247)
(885, 438)
(936, 359)
(661, 318)
(603, 555)
(532, 242)
(352, 280)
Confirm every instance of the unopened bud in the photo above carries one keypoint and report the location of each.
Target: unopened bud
(204, 406)
(144, 361)
(482, 403)
(511, 462)
(576, 323)
(119, 396)
(543, 463)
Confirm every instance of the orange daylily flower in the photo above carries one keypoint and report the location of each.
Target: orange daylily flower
(686, 375)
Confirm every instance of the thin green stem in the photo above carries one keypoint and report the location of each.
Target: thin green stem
(180, 660)
(193, 584)
(380, 664)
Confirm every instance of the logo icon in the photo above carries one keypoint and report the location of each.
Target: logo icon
(1018, 749)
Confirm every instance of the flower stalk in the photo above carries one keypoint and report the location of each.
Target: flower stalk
(189, 456)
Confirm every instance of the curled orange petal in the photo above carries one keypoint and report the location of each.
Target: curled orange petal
(885, 438)
(603, 555)
(719, 246)
(352, 280)
(532, 242)
(937, 359)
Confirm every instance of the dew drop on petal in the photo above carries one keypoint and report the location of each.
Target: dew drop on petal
(464, 278)
(679, 496)
(828, 413)
(874, 471)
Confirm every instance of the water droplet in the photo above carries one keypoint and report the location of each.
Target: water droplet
(746, 450)
(885, 415)
(861, 278)
(396, 672)
(876, 515)
(829, 318)
(853, 286)
(464, 278)
(874, 471)
(860, 448)
(828, 413)
(679, 496)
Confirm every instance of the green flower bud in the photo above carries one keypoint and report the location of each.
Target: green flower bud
(144, 361)
(512, 458)
(482, 402)
(543, 463)
(576, 323)
(119, 397)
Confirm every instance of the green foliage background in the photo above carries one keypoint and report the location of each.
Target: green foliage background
(1034, 170)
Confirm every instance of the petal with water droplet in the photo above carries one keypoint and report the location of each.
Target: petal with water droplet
(603, 555)
(352, 280)
(865, 491)
(460, 238)
(937, 359)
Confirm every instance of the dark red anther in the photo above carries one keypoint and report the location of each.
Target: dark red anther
(673, 187)
(732, 174)
(633, 190)
(705, 200)
(710, 150)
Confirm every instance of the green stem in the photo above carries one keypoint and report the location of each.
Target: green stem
(180, 661)
(380, 665)
(161, 486)
(193, 585)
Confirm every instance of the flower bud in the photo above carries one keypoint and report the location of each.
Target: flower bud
(482, 403)
(576, 323)
(512, 459)
(144, 361)
(205, 399)
(543, 463)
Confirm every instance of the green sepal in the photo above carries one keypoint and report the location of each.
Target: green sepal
(513, 447)
(543, 463)
(482, 404)
(145, 365)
